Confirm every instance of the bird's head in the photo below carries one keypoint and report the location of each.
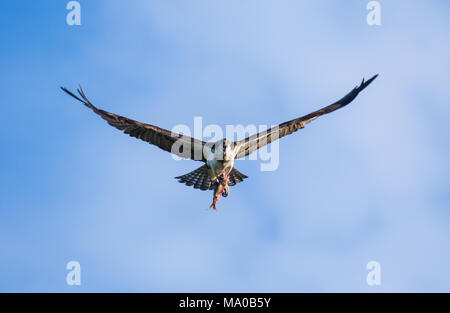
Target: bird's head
(222, 150)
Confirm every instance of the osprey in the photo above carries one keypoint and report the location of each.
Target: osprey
(218, 172)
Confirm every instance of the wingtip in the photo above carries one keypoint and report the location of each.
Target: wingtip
(366, 83)
(83, 98)
(372, 79)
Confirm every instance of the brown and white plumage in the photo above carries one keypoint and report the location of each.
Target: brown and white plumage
(201, 178)
(219, 156)
(253, 143)
(154, 135)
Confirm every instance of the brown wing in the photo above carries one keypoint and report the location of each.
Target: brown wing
(253, 143)
(160, 137)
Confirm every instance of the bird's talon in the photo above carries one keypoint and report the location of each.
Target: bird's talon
(225, 191)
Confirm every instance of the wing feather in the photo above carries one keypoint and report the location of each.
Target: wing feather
(253, 143)
(157, 136)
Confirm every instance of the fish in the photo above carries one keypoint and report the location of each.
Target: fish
(220, 189)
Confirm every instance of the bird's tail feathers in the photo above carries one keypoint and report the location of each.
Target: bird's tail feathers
(201, 179)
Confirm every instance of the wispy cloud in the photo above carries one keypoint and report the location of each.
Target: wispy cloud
(366, 183)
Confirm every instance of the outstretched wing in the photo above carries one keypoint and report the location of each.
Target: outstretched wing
(253, 143)
(160, 137)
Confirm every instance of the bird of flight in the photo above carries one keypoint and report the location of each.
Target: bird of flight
(218, 172)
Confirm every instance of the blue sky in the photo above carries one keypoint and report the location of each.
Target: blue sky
(369, 182)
